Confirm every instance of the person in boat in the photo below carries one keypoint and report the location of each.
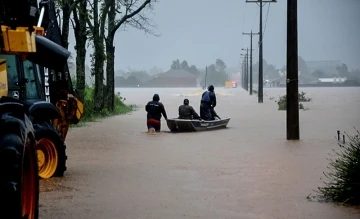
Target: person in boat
(154, 111)
(187, 112)
(208, 103)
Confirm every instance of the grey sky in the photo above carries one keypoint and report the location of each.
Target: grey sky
(200, 31)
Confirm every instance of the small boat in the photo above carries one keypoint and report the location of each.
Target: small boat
(184, 125)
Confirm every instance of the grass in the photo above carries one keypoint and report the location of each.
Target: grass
(90, 115)
(343, 184)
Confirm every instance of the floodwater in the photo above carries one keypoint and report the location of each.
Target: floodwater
(247, 171)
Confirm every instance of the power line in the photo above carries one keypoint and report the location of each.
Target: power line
(260, 92)
(267, 15)
(243, 21)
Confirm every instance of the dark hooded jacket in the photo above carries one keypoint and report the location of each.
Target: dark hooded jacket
(208, 97)
(155, 108)
(187, 112)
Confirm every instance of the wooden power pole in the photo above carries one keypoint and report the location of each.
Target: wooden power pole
(292, 78)
(246, 70)
(251, 59)
(261, 77)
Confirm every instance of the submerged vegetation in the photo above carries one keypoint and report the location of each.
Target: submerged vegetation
(302, 98)
(343, 184)
(91, 114)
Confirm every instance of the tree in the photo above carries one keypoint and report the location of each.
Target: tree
(319, 74)
(355, 74)
(70, 7)
(141, 76)
(184, 65)
(342, 70)
(271, 72)
(132, 81)
(193, 70)
(303, 68)
(220, 65)
(80, 32)
(155, 70)
(131, 10)
(176, 64)
(67, 7)
(214, 77)
(96, 23)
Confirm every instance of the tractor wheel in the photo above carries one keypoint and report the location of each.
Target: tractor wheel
(50, 151)
(19, 180)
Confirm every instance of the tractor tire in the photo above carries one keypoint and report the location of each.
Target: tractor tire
(19, 180)
(51, 151)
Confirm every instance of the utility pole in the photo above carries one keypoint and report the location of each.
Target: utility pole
(292, 77)
(251, 58)
(243, 75)
(245, 71)
(261, 78)
(246, 68)
(246, 78)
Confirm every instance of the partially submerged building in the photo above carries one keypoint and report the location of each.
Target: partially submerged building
(281, 81)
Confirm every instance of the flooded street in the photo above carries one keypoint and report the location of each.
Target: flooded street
(247, 171)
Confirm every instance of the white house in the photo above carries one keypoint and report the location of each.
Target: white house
(333, 80)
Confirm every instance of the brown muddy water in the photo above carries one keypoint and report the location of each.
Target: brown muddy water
(247, 171)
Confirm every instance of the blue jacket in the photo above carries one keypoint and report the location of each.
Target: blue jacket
(209, 98)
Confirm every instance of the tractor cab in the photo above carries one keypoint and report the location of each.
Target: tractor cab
(25, 80)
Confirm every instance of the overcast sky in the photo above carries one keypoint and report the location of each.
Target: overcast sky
(200, 31)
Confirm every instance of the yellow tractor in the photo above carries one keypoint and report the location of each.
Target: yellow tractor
(37, 103)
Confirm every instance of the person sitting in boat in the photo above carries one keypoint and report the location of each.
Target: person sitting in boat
(187, 112)
(208, 102)
(154, 111)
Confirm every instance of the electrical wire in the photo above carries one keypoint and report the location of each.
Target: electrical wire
(267, 15)
(242, 26)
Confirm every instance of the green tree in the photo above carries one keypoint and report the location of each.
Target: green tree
(193, 70)
(80, 17)
(184, 65)
(176, 64)
(141, 76)
(342, 70)
(131, 15)
(270, 71)
(96, 22)
(215, 77)
(67, 7)
(220, 65)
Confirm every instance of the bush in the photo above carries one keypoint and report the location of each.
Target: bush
(90, 114)
(344, 175)
(282, 101)
(302, 97)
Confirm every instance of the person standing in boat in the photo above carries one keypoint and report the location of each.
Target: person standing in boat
(187, 112)
(208, 102)
(154, 111)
